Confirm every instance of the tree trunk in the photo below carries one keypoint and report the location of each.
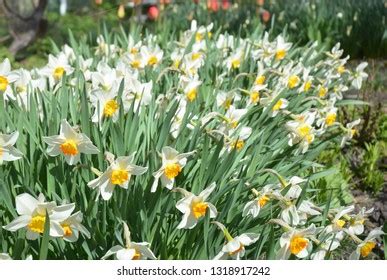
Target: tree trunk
(25, 21)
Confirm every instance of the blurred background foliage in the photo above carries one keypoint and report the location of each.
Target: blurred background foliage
(359, 25)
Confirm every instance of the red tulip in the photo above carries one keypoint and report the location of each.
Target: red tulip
(153, 13)
(213, 5)
(225, 4)
(266, 16)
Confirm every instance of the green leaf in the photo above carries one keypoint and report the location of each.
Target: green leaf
(45, 239)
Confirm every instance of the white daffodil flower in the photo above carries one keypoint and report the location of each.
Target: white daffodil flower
(6, 79)
(137, 92)
(226, 99)
(359, 75)
(366, 246)
(350, 132)
(306, 81)
(327, 118)
(105, 78)
(262, 198)
(55, 69)
(330, 243)
(32, 217)
(190, 87)
(7, 150)
(301, 131)
(225, 43)
(255, 94)
(306, 209)
(235, 60)
(281, 103)
(236, 138)
(70, 144)
(195, 207)
(356, 222)
(133, 46)
(176, 57)
(118, 173)
(337, 91)
(290, 77)
(72, 227)
(232, 118)
(105, 105)
(172, 165)
(235, 247)
(281, 48)
(338, 222)
(190, 67)
(23, 87)
(104, 49)
(290, 213)
(132, 250)
(151, 56)
(295, 241)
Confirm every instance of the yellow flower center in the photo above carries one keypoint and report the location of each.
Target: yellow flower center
(260, 80)
(340, 69)
(152, 60)
(191, 94)
(110, 108)
(322, 91)
(236, 63)
(3, 83)
(1, 152)
(280, 54)
(58, 73)
(134, 50)
(137, 255)
(176, 63)
(293, 81)
(37, 223)
(303, 130)
(366, 249)
(297, 244)
(277, 105)
(227, 103)
(199, 37)
(172, 170)
(233, 124)
(238, 145)
(67, 230)
(353, 132)
(241, 247)
(119, 176)
(340, 223)
(196, 56)
(330, 119)
(135, 64)
(199, 209)
(263, 200)
(307, 85)
(69, 148)
(254, 96)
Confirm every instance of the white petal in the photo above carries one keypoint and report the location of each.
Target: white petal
(25, 204)
(206, 192)
(248, 238)
(112, 251)
(126, 254)
(18, 223)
